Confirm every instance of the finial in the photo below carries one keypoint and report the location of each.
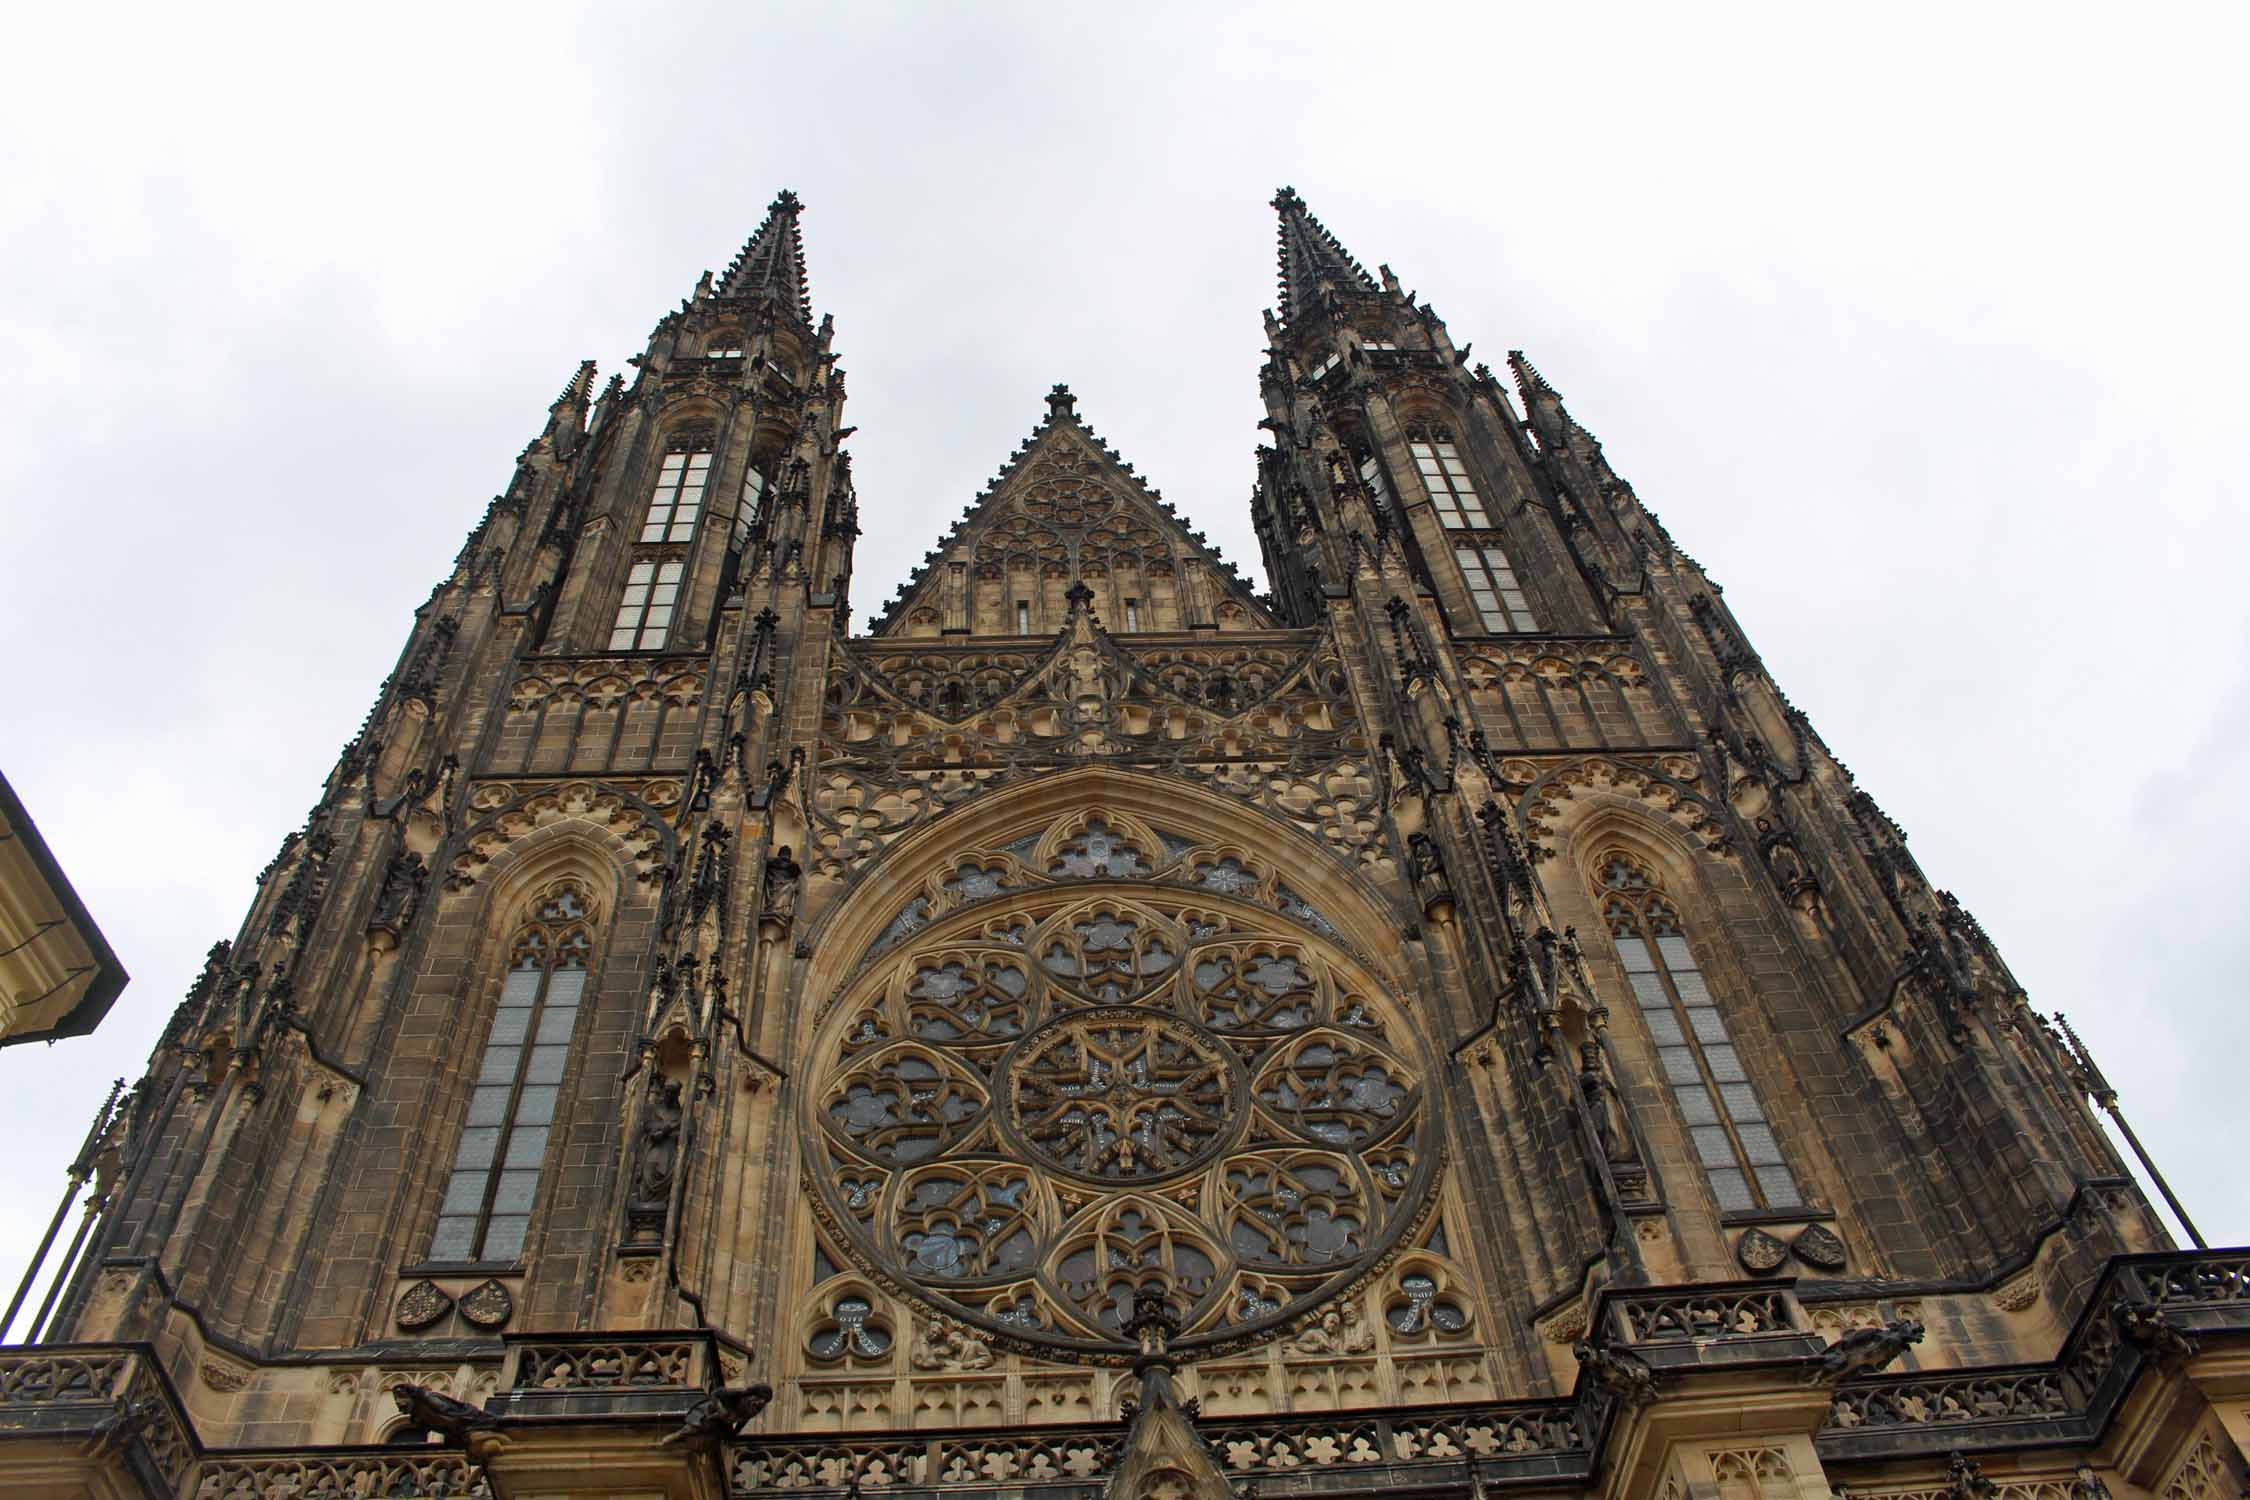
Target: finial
(784, 201)
(1080, 596)
(1061, 403)
(1287, 199)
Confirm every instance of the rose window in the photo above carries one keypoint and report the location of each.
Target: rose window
(1097, 1074)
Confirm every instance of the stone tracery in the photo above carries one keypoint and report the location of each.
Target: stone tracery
(1093, 1071)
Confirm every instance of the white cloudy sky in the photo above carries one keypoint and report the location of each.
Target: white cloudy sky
(1920, 327)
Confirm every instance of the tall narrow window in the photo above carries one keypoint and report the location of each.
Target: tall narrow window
(749, 507)
(1499, 599)
(645, 613)
(678, 500)
(1132, 614)
(1023, 617)
(1378, 483)
(1725, 1122)
(488, 1199)
(1446, 477)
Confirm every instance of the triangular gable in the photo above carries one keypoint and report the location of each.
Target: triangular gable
(1066, 510)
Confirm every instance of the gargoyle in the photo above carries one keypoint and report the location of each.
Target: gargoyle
(719, 1415)
(432, 1411)
(1864, 1351)
(2155, 1335)
(1618, 1373)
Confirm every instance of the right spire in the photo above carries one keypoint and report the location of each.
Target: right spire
(1311, 258)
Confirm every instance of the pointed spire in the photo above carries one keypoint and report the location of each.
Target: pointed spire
(1528, 379)
(772, 264)
(1311, 258)
(580, 390)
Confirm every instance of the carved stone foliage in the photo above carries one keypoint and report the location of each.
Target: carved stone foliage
(1094, 847)
(510, 812)
(1373, 1448)
(1268, 723)
(1066, 518)
(1664, 785)
(1039, 1106)
(402, 1473)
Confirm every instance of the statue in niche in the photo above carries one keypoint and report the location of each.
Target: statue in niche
(400, 893)
(777, 906)
(657, 1157)
(1601, 1102)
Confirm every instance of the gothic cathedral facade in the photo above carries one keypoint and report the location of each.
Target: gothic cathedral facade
(1444, 1024)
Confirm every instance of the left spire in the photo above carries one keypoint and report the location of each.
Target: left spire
(771, 266)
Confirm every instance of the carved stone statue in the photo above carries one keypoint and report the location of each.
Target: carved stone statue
(1864, 1351)
(400, 893)
(656, 1156)
(1339, 1330)
(1602, 1104)
(777, 905)
(1618, 1373)
(717, 1416)
(2152, 1333)
(432, 1411)
(943, 1344)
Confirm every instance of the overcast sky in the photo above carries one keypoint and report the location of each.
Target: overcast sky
(1922, 330)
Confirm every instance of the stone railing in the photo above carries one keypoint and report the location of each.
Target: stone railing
(2146, 1308)
(610, 1375)
(1728, 1323)
(338, 1474)
(109, 1400)
(1426, 1448)
(1664, 1315)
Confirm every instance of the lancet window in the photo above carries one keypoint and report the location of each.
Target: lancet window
(1501, 604)
(1726, 1123)
(644, 614)
(1446, 476)
(1378, 483)
(678, 500)
(503, 1146)
(750, 507)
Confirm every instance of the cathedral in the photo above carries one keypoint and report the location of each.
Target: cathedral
(1442, 1026)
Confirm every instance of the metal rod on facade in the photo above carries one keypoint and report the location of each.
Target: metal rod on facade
(2106, 1097)
(2109, 1104)
(38, 1258)
(81, 1167)
(62, 1272)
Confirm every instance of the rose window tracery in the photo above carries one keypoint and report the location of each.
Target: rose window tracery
(1096, 1075)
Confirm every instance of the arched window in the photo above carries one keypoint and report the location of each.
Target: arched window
(1501, 605)
(750, 507)
(725, 344)
(1725, 1122)
(503, 1145)
(678, 498)
(1378, 483)
(1446, 477)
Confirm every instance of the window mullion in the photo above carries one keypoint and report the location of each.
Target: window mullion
(515, 1100)
(1703, 1063)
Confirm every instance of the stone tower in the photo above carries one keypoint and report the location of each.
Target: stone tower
(1445, 1023)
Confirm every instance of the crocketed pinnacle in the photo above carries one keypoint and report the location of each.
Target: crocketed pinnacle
(772, 264)
(581, 387)
(1311, 257)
